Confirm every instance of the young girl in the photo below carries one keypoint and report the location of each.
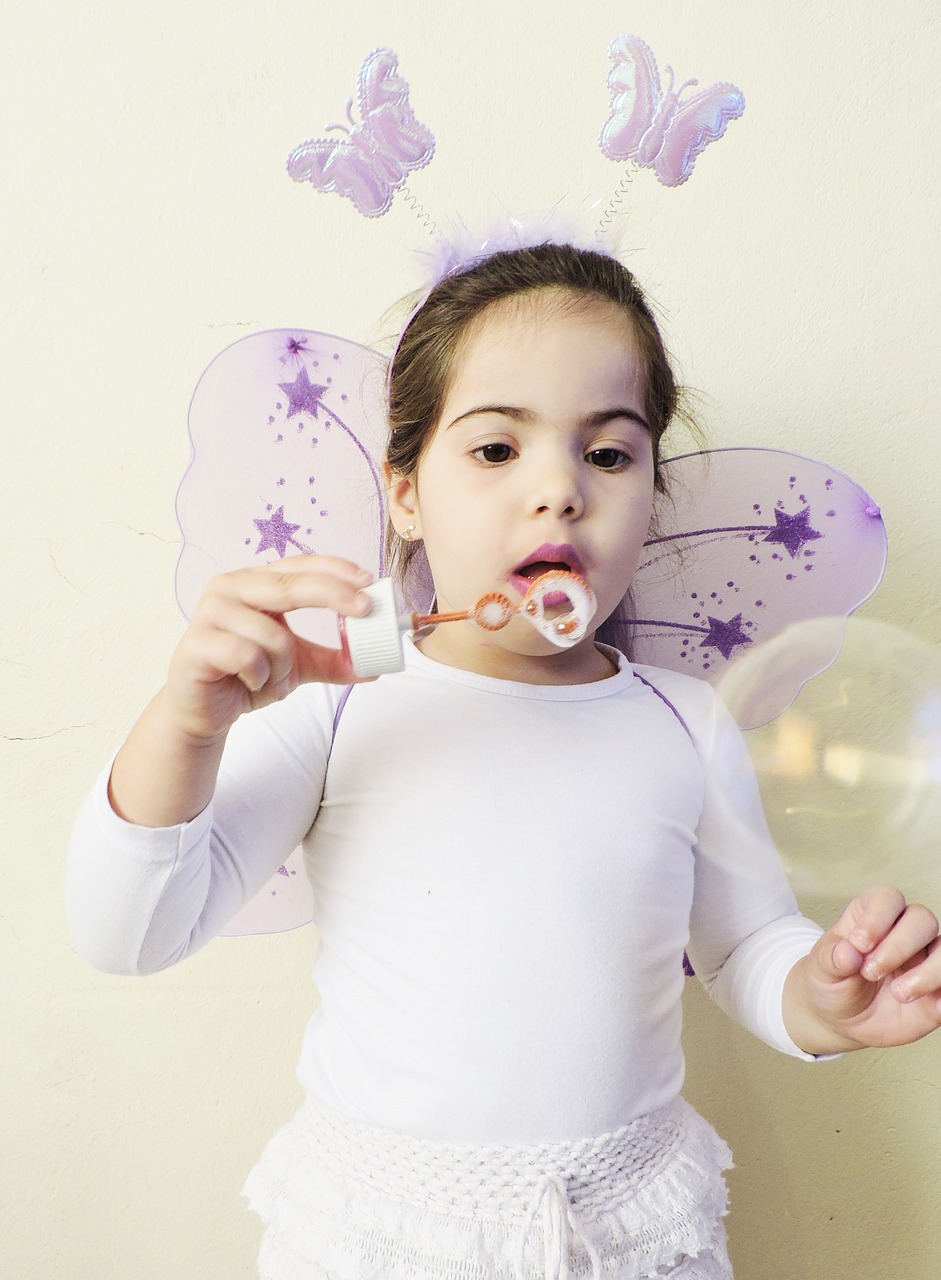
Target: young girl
(511, 844)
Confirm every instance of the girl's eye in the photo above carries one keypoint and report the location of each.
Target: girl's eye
(493, 453)
(608, 459)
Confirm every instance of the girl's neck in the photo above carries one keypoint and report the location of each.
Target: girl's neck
(583, 664)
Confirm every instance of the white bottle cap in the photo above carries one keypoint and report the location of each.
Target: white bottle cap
(374, 642)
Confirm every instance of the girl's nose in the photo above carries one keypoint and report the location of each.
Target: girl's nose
(557, 491)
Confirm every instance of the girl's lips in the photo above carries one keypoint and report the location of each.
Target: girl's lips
(548, 557)
(521, 584)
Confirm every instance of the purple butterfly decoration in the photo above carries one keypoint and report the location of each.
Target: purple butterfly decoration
(375, 156)
(658, 129)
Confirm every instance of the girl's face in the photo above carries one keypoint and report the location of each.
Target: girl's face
(542, 456)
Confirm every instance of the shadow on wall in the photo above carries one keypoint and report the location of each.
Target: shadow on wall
(834, 1175)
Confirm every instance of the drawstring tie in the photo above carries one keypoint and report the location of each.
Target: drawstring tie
(561, 1231)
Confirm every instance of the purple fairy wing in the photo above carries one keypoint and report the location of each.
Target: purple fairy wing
(634, 81)
(699, 120)
(372, 161)
(750, 541)
(286, 428)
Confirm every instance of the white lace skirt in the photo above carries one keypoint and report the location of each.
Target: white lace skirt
(342, 1200)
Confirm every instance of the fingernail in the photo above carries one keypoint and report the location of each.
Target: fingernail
(860, 939)
(902, 990)
(362, 602)
(871, 972)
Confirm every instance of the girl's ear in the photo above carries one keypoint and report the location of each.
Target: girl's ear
(402, 493)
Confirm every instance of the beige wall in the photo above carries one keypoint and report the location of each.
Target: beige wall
(148, 222)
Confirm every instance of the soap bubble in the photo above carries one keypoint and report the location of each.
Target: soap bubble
(850, 773)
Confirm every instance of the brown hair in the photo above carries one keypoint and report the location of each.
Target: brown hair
(422, 365)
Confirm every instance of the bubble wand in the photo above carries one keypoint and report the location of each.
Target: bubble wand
(374, 643)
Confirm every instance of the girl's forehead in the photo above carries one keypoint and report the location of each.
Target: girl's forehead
(529, 314)
(548, 330)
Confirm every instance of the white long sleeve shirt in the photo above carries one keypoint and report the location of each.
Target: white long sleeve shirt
(505, 879)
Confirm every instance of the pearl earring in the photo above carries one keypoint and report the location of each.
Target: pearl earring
(408, 532)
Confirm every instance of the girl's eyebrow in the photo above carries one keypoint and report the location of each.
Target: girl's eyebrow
(604, 416)
(597, 419)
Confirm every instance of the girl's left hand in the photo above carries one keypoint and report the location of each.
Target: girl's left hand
(873, 980)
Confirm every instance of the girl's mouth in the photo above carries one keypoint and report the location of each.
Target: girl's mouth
(545, 559)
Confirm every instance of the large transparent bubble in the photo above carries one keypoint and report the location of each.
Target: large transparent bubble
(850, 773)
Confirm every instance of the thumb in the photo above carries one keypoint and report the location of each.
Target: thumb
(320, 664)
(833, 958)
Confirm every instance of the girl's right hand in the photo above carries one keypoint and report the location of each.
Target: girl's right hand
(239, 652)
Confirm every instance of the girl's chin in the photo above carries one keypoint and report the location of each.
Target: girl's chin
(515, 643)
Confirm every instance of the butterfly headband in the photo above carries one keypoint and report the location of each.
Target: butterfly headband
(647, 126)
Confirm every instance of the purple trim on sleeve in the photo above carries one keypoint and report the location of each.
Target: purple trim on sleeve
(688, 969)
(339, 711)
(664, 698)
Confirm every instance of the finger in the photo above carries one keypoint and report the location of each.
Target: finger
(922, 978)
(914, 930)
(833, 958)
(277, 591)
(269, 633)
(870, 916)
(355, 574)
(220, 654)
(280, 590)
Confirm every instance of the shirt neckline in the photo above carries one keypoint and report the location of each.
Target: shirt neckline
(622, 679)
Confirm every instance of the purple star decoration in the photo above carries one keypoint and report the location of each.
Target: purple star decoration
(725, 636)
(303, 395)
(277, 532)
(792, 531)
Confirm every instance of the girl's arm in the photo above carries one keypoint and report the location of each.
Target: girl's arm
(162, 776)
(163, 857)
(872, 981)
(746, 928)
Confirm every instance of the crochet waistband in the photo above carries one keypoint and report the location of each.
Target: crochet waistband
(339, 1196)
